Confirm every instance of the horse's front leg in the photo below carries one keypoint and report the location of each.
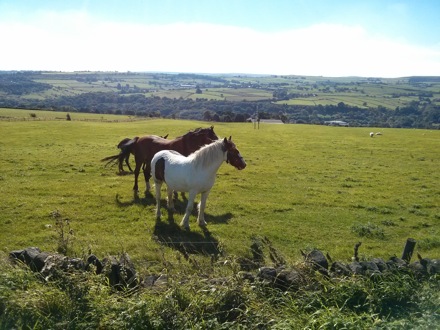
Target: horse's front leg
(121, 169)
(201, 217)
(158, 185)
(127, 161)
(189, 208)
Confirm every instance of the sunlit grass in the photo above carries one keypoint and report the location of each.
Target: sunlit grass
(305, 186)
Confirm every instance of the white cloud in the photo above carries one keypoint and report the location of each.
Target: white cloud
(76, 41)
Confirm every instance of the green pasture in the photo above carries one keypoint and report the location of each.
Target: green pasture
(356, 100)
(43, 115)
(230, 94)
(304, 187)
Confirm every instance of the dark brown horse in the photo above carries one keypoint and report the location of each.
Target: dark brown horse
(146, 147)
(126, 149)
(125, 156)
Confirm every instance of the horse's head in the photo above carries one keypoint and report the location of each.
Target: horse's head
(199, 137)
(206, 133)
(233, 156)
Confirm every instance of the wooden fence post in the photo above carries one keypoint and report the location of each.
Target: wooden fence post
(356, 251)
(409, 249)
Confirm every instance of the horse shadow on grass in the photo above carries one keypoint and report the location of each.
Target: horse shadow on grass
(216, 219)
(147, 199)
(170, 234)
(179, 204)
(187, 242)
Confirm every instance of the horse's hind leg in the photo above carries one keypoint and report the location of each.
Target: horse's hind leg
(158, 185)
(201, 217)
(121, 169)
(176, 195)
(128, 162)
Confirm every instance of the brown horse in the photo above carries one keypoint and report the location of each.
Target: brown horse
(146, 147)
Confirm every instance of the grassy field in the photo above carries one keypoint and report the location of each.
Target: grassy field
(41, 115)
(305, 186)
(351, 100)
(238, 94)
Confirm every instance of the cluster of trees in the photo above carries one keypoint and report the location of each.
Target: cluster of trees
(20, 84)
(416, 115)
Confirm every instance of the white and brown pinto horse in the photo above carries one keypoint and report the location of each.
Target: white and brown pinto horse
(194, 174)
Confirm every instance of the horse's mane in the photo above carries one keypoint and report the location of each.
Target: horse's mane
(207, 153)
(194, 131)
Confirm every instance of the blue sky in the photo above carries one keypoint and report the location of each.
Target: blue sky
(376, 38)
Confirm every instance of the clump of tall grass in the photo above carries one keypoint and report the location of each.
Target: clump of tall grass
(369, 230)
(205, 301)
(64, 232)
(428, 243)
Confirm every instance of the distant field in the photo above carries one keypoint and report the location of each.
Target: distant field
(38, 115)
(229, 94)
(305, 186)
(351, 100)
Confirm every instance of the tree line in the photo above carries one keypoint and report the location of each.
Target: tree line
(415, 115)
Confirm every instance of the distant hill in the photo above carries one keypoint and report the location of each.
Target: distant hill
(399, 102)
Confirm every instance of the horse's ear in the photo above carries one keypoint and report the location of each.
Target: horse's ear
(230, 137)
(225, 144)
(212, 127)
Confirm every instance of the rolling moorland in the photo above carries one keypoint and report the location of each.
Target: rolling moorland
(408, 102)
(305, 187)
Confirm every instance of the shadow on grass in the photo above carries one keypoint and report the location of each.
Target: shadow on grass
(172, 235)
(147, 199)
(187, 242)
(124, 173)
(222, 218)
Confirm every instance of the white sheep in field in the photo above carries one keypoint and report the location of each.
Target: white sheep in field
(371, 134)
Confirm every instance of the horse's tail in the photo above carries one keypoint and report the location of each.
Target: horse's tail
(110, 159)
(126, 146)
